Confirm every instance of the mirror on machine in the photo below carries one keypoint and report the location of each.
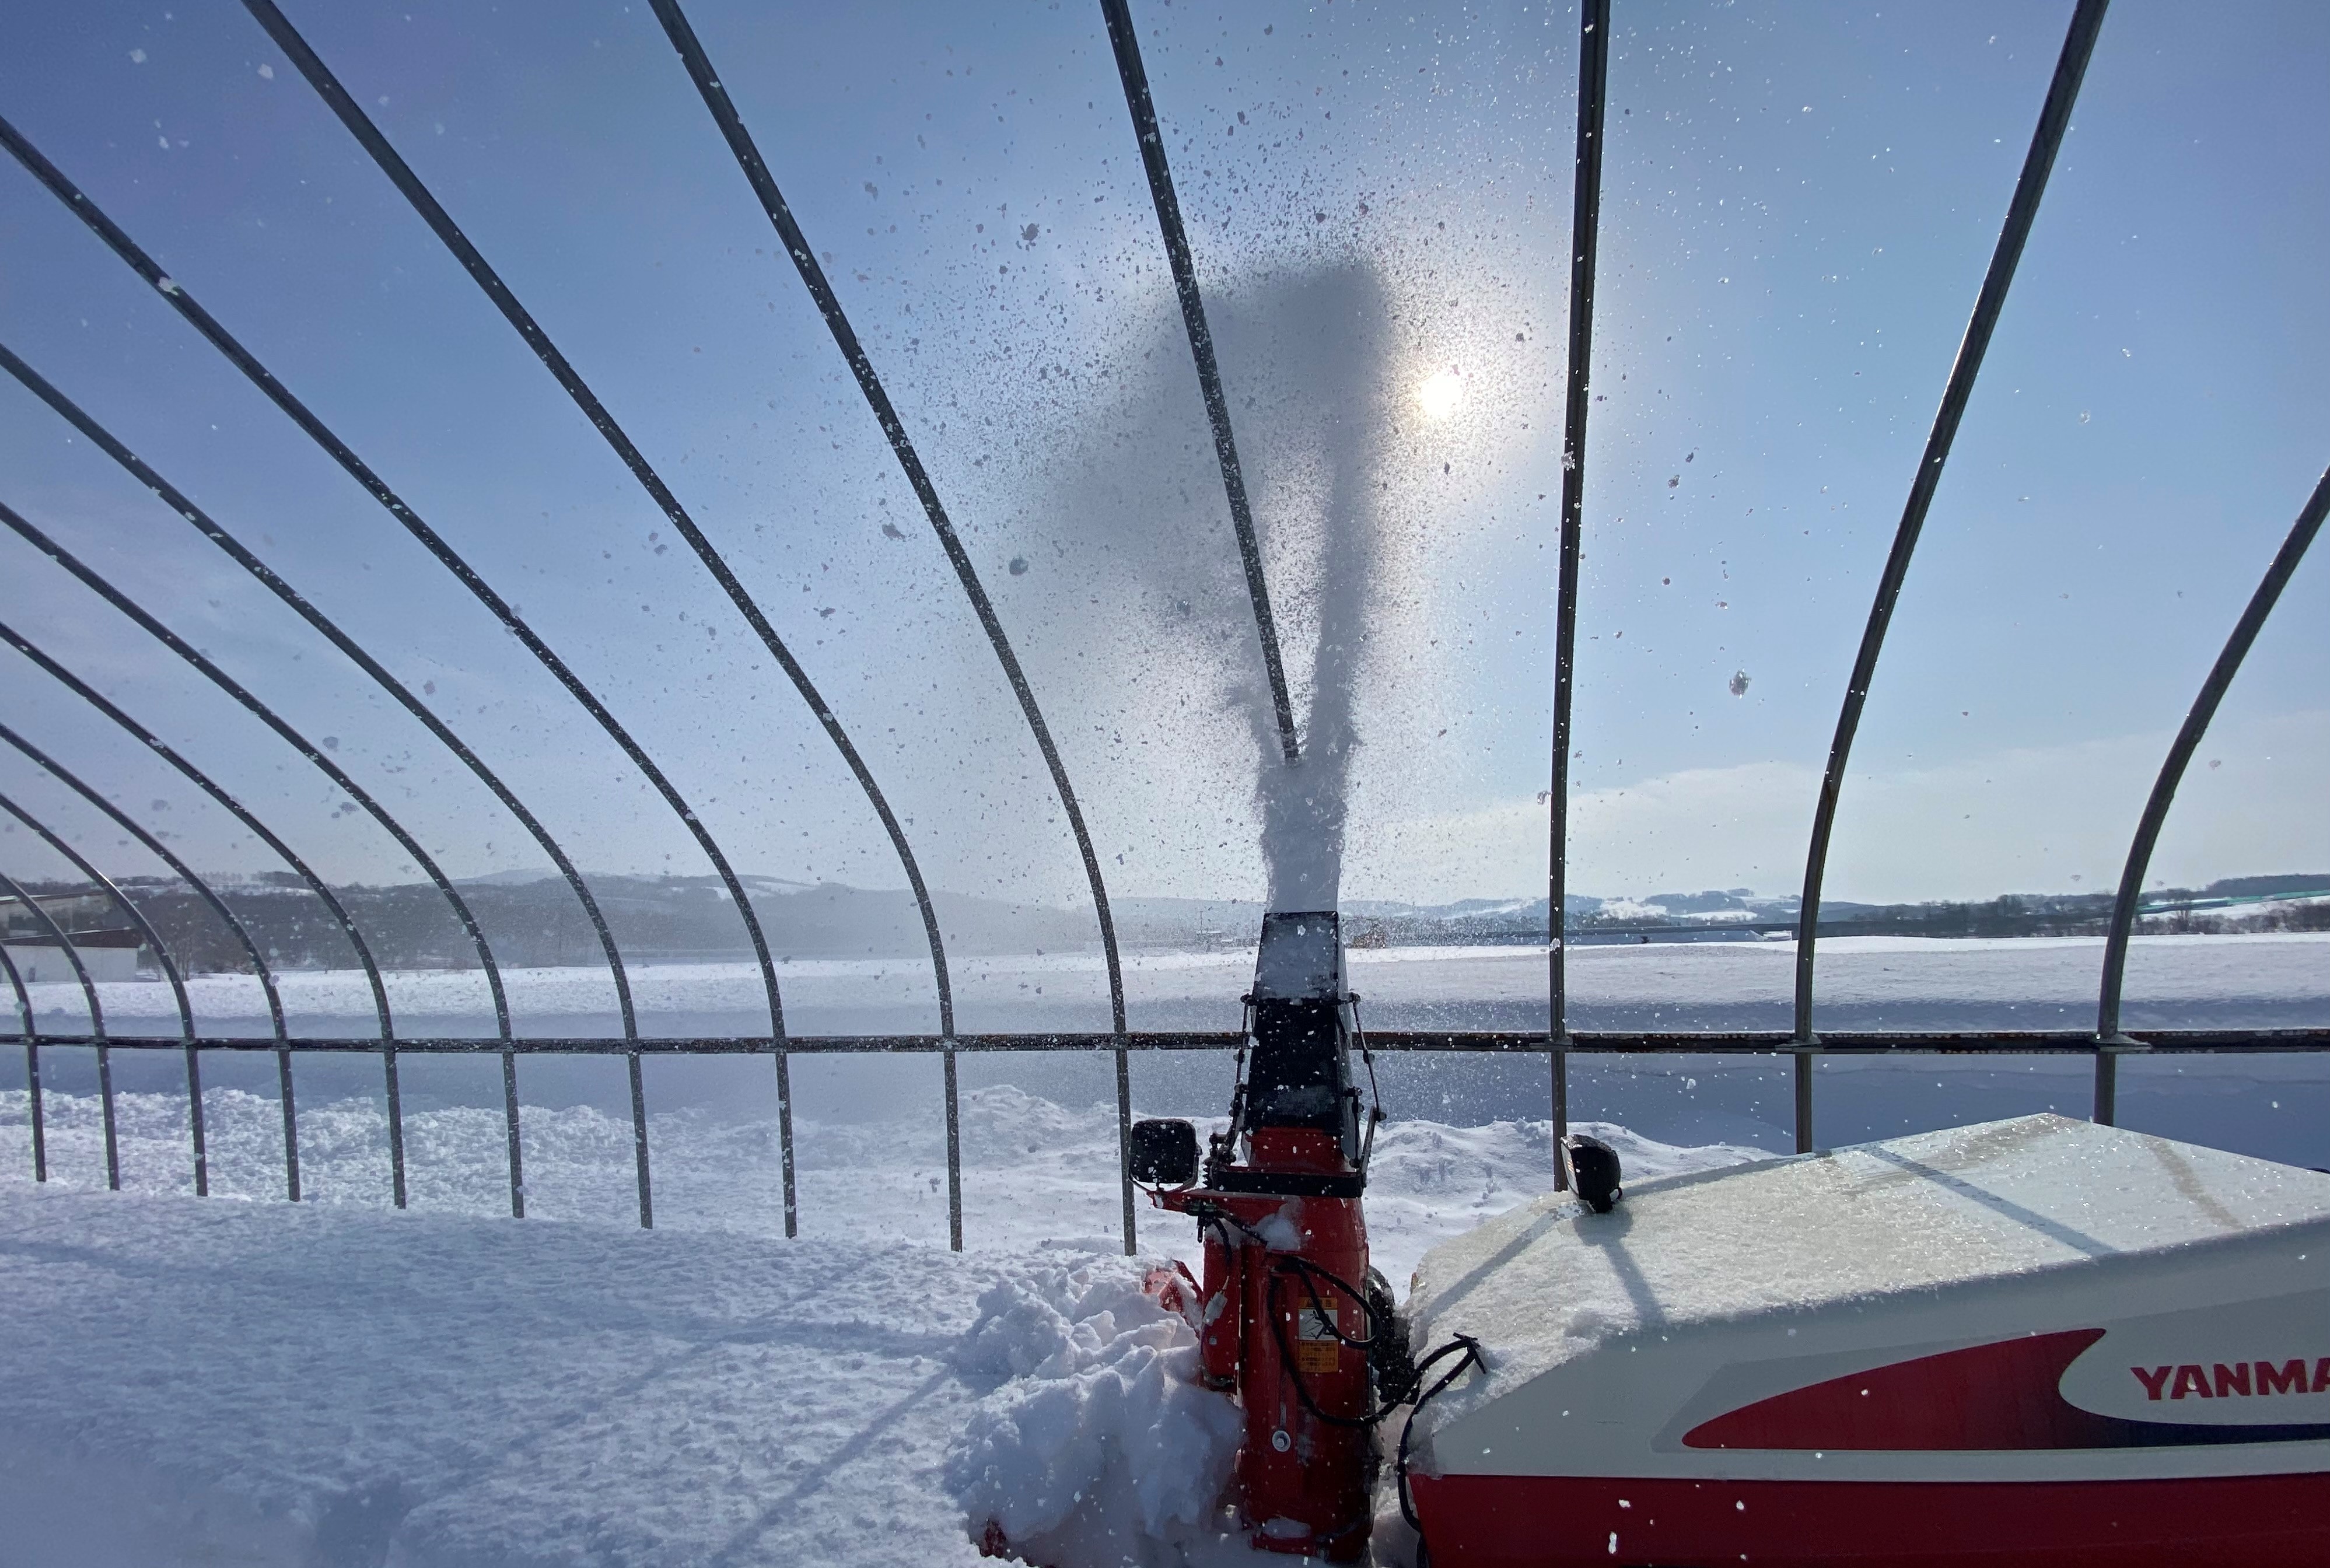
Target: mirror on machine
(1164, 1152)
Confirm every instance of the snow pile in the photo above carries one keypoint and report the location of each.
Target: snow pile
(1036, 1174)
(1101, 1448)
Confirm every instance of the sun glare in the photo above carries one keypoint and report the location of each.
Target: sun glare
(1441, 394)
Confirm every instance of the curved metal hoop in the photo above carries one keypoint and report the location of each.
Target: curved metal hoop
(2021, 211)
(2108, 1038)
(203, 523)
(773, 202)
(441, 223)
(120, 901)
(1117, 14)
(266, 715)
(273, 841)
(162, 852)
(32, 1064)
(176, 296)
(1585, 249)
(47, 923)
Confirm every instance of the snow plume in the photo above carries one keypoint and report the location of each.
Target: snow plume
(1134, 595)
(1100, 1448)
(1335, 319)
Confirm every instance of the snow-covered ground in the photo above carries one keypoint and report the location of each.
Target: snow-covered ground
(1879, 982)
(241, 1380)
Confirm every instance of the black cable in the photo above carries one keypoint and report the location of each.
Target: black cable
(1471, 1357)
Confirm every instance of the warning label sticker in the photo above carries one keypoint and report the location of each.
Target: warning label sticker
(1315, 1320)
(1314, 1356)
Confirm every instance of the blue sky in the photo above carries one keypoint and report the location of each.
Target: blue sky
(1800, 200)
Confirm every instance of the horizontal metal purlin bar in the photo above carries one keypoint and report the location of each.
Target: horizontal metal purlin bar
(1774, 1042)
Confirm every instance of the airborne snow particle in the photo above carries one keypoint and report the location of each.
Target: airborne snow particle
(1018, 566)
(1739, 683)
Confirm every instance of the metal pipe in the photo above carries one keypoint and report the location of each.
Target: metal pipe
(1803, 1080)
(290, 857)
(773, 202)
(1561, 1074)
(1585, 247)
(1134, 76)
(32, 1064)
(785, 1141)
(2172, 773)
(510, 1121)
(2054, 119)
(42, 918)
(441, 223)
(204, 524)
(953, 1150)
(203, 890)
(1486, 1041)
(113, 893)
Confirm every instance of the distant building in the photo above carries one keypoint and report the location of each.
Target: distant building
(109, 955)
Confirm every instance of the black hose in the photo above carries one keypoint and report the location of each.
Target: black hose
(1471, 1357)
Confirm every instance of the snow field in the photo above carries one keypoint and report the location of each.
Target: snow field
(1438, 987)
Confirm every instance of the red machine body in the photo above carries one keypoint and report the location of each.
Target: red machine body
(1289, 1316)
(1290, 1346)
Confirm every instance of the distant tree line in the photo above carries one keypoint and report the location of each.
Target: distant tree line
(540, 923)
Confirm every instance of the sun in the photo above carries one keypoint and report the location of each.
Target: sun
(1441, 394)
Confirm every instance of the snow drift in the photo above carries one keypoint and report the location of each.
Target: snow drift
(1102, 1448)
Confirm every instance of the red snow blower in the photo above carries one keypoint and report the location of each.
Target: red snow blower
(1294, 1322)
